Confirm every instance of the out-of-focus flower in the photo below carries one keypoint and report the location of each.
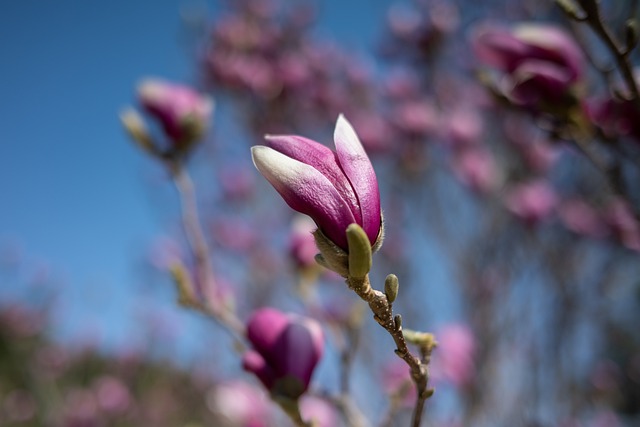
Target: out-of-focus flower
(532, 201)
(463, 126)
(453, 360)
(376, 133)
(582, 219)
(182, 112)
(541, 63)
(286, 350)
(335, 189)
(112, 395)
(237, 182)
(319, 411)
(476, 168)
(396, 380)
(616, 117)
(240, 403)
(302, 245)
(234, 233)
(625, 228)
(417, 118)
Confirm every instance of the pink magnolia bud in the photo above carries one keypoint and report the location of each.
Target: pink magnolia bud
(334, 188)
(286, 350)
(182, 112)
(616, 117)
(540, 62)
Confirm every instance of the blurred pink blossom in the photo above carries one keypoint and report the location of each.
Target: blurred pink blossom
(234, 233)
(417, 118)
(302, 245)
(532, 201)
(237, 181)
(112, 394)
(453, 360)
(462, 126)
(319, 411)
(476, 168)
(240, 403)
(625, 227)
(396, 380)
(540, 62)
(579, 217)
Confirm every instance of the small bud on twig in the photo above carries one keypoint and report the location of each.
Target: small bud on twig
(134, 125)
(391, 287)
(421, 339)
(397, 320)
(184, 285)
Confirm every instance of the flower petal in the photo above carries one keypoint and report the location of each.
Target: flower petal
(320, 157)
(307, 191)
(297, 353)
(264, 327)
(253, 362)
(358, 169)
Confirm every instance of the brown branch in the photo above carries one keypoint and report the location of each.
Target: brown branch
(383, 314)
(621, 55)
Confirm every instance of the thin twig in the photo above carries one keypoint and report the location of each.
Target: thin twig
(383, 314)
(201, 253)
(620, 55)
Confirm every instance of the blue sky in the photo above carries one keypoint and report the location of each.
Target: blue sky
(72, 185)
(70, 180)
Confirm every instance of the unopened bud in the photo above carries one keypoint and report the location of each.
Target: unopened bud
(421, 339)
(359, 251)
(184, 285)
(391, 287)
(134, 125)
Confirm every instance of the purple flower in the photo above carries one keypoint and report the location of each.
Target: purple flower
(540, 62)
(182, 112)
(286, 350)
(335, 189)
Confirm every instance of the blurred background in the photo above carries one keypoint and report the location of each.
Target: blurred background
(510, 195)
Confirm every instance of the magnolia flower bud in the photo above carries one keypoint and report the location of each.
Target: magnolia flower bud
(335, 189)
(182, 112)
(286, 350)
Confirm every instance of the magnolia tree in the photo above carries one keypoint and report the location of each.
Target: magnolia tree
(474, 227)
